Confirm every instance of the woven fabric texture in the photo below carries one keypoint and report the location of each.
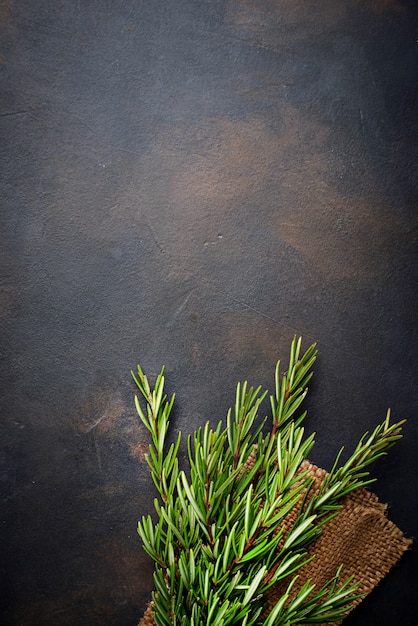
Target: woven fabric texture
(360, 537)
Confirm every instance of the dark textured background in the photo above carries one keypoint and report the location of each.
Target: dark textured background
(192, 183)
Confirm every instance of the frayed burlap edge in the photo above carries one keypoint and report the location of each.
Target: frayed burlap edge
(148, 619)
(360, 537)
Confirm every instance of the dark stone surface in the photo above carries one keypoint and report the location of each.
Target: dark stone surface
(192, 183)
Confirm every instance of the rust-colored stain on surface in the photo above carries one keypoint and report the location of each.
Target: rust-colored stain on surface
(101, 412)
(388, 6)
(139, 451)
(273, 24)
(209, 170)
(6, 7)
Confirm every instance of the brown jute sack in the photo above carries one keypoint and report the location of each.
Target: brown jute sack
(360, 537)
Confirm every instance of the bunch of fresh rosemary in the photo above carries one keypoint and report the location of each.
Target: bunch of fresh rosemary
(219, 542)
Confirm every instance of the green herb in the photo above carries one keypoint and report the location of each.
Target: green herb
(219, 540)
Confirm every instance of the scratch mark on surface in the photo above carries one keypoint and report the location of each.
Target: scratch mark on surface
(248, 306)
(183, 304)
(65, 609)
(96, 423)
(22, 112)
(107, 144)
(361, 123)
(119, 148)
(235, 299)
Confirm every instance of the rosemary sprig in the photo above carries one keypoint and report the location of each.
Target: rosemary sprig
(222, 537)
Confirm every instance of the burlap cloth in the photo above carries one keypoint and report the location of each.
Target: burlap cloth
(360, 537)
